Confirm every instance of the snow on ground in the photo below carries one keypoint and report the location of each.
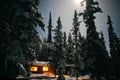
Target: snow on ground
(86, 77)
(46, 77)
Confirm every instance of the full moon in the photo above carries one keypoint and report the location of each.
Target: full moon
(77, 2)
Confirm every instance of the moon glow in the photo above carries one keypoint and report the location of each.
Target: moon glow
(77, 2)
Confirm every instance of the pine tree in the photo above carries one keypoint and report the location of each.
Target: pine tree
(65, 45)
(102, 39)
(49, 40)
(64, 40)
(47, 45)
(105, 57)
(114, 49)
(95, 52)
(81, 51)
(69, 38)
(19, 38)
(69, 50)
(58, 58)
(75, 32)
(81, 41)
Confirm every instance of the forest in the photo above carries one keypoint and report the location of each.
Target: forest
(20, 43)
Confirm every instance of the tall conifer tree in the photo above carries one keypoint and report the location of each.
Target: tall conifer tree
(69, 50)
(19, 39)
(114, 49)
(95, 55)
(64, 40)
(75, 32)
(59, 58)
(49, 40)
(81, 41)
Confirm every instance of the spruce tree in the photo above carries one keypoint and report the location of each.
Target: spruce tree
(47, 47)
(106, 58)
(58, 58)
(81, 41)
(75, 32)
(114, 49)
(69, 38)
(82, 49)
(49, 40)
(102, 39)
(19, 38)
(64, 40)
(95, 52)
(69, 50)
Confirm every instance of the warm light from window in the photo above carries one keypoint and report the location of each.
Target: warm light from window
(45, 68)
(33, 68)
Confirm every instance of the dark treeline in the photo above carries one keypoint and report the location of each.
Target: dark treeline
(20, 43)
(19, 39)
(88, 53)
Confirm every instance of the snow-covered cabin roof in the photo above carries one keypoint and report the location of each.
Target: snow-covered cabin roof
(41, 63)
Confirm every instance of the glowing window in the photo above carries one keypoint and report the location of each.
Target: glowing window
(45, 68)
(33, 68)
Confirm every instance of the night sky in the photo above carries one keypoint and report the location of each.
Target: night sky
(65, 9)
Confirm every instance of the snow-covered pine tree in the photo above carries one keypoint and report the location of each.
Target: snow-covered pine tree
(49, 39)
(95, 52)
(58, 58)
(114, 43)
(19, 38)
